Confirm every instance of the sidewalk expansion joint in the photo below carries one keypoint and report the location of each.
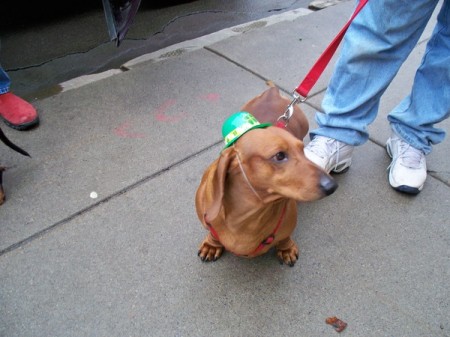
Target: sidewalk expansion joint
(288, 92)
(66, 220)
(235, 63)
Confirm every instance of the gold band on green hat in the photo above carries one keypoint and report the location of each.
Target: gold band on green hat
(239, 131)
(238, 124)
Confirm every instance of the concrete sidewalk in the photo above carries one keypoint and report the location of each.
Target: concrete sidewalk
(125, 263)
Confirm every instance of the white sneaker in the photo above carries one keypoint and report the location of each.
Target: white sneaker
(330, 154)
(408, 169)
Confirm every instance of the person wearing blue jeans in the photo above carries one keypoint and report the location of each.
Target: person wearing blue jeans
(376, 44)
(15, 112)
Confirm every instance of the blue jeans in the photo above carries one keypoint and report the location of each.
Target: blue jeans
(4, 81)
(376, 44)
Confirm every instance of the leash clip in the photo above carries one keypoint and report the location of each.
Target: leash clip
(290, 108)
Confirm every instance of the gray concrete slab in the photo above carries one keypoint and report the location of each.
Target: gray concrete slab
(40, 49)
(286, 54)
(125, 264)
(129, 267)
(108, 135)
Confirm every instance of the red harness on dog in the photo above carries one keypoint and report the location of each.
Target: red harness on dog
(267, 241)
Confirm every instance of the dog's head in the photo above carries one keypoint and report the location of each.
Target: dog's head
(270, 162)
(276, 166)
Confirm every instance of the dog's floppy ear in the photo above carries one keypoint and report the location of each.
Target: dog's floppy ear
(216, 183)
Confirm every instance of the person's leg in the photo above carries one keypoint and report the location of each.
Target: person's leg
(4, 81)
(376, 44)
(413, 120)
(429, 102)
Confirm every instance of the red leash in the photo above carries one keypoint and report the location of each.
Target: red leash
(320, 65)
(301, 92)
(267, 241)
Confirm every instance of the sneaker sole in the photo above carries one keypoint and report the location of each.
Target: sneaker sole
(407, 189)
(344, 168)
(21, 127)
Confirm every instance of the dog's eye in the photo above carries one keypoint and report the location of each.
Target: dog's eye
(280, 156)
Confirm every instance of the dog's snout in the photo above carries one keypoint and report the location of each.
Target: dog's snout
(327, 184)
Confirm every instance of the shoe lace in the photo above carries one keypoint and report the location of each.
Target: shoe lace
(325, 147)
(409, 156)
(322, 146)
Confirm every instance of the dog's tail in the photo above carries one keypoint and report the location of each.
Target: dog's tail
(13, 146)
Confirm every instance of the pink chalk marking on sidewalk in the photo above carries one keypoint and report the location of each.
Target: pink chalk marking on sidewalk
(211, 97)
(123, 131)
(161, 112)
(161, 116)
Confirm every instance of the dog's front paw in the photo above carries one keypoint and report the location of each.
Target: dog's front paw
(209, 252)
(287, 252)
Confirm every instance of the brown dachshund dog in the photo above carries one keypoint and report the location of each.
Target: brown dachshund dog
(247, 197)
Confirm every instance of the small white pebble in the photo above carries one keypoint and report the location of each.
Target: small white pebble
(94, 195)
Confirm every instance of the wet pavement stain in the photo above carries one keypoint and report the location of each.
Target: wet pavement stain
(41, 53)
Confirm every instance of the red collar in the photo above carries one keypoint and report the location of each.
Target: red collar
(267, 241)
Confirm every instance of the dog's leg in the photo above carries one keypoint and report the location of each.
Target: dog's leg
(287, 251)
(2, 193)
(210, 249)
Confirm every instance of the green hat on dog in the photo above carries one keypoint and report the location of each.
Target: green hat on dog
(238, 124)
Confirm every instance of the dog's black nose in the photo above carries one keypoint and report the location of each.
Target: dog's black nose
(327, 184)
